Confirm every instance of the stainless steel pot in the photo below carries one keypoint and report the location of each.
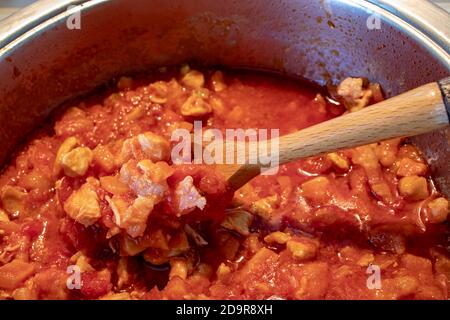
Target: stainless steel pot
(400, 44)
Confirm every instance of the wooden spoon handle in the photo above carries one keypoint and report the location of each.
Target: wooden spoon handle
(414, 112)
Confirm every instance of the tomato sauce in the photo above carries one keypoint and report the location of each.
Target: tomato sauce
(95, 190)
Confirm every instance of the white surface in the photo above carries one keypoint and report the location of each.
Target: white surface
(8, 7)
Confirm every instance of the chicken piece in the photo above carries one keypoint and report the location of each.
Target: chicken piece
(218, 81)
(314, 281)
(414, 188)
(36, 180)
(103, 158)
(155, 147)
(26, 291)
(146, 146)
(132, 247)
(15, 273)
(157, 172)
(277, 237)
(408, 167)
(239, 221)
(178, 268)
(123, 275)
(398, 287)
(438, 212)
(132, 218)
(135, 217)
(3, 216)
(354, 95)
(158, 92)
(223, 271)
(176, 246)
(351, 89)
(83, 204)
(386, 151)
(13, 200)
(197, 104)
(193, 79)
(82, 262)
(366, 157)
(113, 185)
(339, 161)
(264, 207)
(361, 257)
(138, 176)
(188, 196)
(302, 250)
(77, 161)
(68, 145)
(316, 189)
(382, 190)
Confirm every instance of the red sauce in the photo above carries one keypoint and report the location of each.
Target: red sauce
(87, 191)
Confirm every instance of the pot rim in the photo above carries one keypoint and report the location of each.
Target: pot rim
(424, 21)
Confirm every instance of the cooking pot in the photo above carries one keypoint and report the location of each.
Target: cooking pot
(53, 51)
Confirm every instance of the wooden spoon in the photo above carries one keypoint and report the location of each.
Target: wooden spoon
(418, 111)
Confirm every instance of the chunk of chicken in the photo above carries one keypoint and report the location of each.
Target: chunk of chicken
(339, 161)
(316, 189)
(197, 104)
(158, 92)
(68, 145)
(103, 158)
(438, 212)
(83, 204)
(386, 151)
(146, 146)
(188, 196)
(277, 237)
(82, 262)
(113, 185)
(193, 79)
(77, 161)
(414, 187)
(145, 178)
(354, 95)
(13, 200)
(178, 268)
(3, 216)
(408, 167)
(264, 207)
(133, 218)
(302, 250)
(14, 273)
(218, 81)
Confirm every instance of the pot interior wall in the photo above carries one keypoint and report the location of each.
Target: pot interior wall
(320, 40)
